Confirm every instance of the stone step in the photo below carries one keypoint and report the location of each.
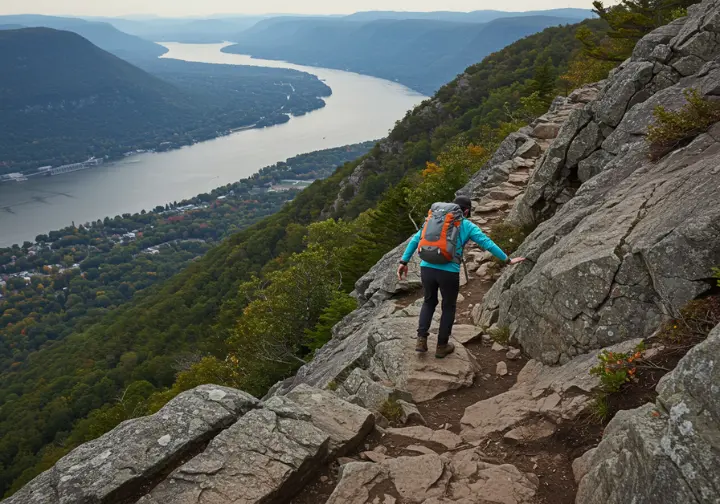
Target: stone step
(433, 478)
(519, 178)
(546, 131)
(490, 206)
(506, 191)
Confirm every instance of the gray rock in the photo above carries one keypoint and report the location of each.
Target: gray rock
(585, 143)
(528, 150)
(495, 171)
(688, 65)
(371, 394)
(513, 354)
(266, 456)
(435, 479)
(581, 465)
(533, 432)
(501, 369)
(614, 99)
(665, 452)
(554, 393)
(410, 413)
(420, 433)
(137, 451)
(546, 131)
(614, 260)
(382, 278)
(345, 423)
(422, 375)
(593, 165)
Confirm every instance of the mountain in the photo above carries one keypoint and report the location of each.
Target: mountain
(11, 26)
(103, 35)
(65, 99)
(420, 53)
(191, 31)
(48, 406)
(480, 16)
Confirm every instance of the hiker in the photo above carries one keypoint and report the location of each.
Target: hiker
(440, 245)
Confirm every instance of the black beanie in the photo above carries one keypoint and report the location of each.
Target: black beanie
(463, 202)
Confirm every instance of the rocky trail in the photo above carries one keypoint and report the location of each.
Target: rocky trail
(621, 245)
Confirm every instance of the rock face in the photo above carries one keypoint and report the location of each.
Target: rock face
(434, 479)
(116, 464)
(638, 239)
(667, 452)
(257, 452)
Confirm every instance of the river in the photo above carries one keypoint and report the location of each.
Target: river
(360, 108)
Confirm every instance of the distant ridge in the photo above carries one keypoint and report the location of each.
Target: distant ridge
(479, 16)
(103, 35)
(422, 54)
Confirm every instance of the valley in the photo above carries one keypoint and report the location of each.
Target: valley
(359, 109)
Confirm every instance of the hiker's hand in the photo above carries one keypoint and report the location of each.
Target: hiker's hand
(516, 260)
(402, 270)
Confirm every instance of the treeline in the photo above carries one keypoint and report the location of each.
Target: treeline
(212, 320)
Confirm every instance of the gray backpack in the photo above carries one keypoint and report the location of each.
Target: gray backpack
(440, 234)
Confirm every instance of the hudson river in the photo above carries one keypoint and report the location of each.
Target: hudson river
(360, 108)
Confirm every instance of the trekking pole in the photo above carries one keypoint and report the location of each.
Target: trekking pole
(467, 277)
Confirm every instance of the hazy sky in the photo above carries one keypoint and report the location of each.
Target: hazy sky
(207, 7)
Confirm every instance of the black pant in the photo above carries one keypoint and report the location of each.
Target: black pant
(449, 285)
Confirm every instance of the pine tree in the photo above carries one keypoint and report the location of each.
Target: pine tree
(544, 81)
(629, 21)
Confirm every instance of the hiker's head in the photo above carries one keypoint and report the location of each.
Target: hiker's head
(465, 204)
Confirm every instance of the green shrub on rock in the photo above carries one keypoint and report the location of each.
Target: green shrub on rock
(674, 129)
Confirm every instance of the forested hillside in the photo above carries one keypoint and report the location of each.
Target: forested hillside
(103, 35)
(423, 54)
(257, 306)
(65, 100)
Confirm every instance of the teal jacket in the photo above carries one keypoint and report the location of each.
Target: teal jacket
(468, 231)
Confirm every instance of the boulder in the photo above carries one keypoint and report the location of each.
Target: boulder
(466, 333)
(581, 465)
(120, 462)
(537, 430)
(501, 369)
(546, 131)
(555, 394)
(345, 423)
(421, 433)
(422, 375)
(382, 282)
(435, 479)
(266, 456)
(513, 354)
(664, 452)
(368, 392)
(410, 413)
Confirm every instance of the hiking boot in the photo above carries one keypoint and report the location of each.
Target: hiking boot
(421, 345)
(443, 351)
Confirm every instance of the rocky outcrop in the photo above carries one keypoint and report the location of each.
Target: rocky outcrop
(638, 239)
(665, 452)
(378, 362)
(552, 394)
(462, 477)
(257, 452)
(133, 454)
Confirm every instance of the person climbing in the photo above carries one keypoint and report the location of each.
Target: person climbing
(440, 243)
